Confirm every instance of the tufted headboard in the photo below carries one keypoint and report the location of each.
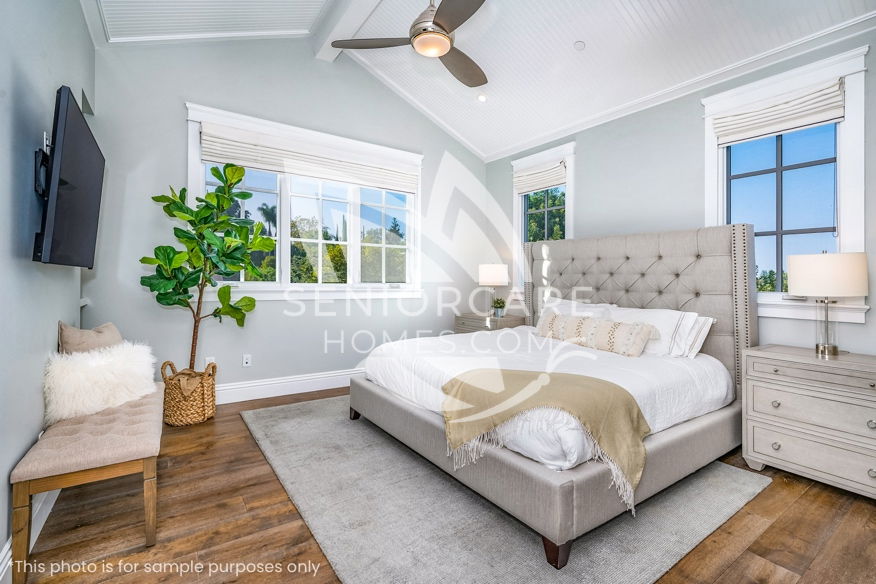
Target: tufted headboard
(709, 271)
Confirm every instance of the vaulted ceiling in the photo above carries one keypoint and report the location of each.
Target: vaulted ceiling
(636, 52)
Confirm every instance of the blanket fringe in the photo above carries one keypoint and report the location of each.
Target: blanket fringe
(474, 449)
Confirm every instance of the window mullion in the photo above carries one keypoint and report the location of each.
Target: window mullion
(780, 268)
(354, 239)
(283, 253)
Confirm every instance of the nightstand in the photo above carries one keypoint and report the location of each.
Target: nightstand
(812, 417)
(472, 323)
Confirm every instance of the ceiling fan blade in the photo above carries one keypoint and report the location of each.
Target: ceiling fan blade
(463, 68)
(371, 43)
(452, 13)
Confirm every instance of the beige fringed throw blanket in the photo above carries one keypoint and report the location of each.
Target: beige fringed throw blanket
(480, 400)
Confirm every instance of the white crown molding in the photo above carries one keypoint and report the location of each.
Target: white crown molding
(227, 393)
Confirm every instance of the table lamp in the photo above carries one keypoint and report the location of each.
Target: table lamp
(492, 275)
(826, 276)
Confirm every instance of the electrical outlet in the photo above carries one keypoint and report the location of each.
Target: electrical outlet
(247, 360)
(208, 360)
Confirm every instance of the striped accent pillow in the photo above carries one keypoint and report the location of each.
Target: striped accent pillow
(624, 338)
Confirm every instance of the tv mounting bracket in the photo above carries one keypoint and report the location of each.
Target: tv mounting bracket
(40, 166)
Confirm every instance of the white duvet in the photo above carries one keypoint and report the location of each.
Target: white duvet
(669, 390)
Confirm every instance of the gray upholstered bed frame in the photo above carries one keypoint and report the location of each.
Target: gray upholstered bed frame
(705, 270)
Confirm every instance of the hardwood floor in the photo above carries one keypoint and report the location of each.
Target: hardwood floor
(219, 503)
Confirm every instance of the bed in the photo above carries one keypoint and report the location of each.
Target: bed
(707, 271)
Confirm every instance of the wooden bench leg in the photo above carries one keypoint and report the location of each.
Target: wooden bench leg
(150, 498)
(20, 531)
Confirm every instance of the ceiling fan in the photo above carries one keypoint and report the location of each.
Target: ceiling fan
(431, 35)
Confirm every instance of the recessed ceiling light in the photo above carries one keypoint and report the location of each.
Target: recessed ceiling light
(579, 45)
(482, 98)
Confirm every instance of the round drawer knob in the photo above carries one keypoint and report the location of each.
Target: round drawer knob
(871, 424)
(776, 445)
(873, 384)
(776, 403)
(872, 473)
(775, 369)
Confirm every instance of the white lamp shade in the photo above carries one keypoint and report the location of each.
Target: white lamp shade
(828, 275)
(493, 275)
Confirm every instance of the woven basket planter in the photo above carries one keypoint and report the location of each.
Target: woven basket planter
(189, 395)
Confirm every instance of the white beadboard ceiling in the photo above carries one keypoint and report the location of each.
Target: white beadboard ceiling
(637, 52)
(161, 20)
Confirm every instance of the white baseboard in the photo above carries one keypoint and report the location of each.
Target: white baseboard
(41, 506)
(227, 393)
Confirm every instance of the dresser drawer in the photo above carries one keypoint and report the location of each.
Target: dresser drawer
(826, 411)
(791, 371)
(473, 323)
(820, 457)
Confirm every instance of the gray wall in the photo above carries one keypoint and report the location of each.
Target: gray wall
(43, 44)
(141, 126)
(645, 172)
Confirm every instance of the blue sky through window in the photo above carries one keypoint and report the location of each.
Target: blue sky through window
(786, 187)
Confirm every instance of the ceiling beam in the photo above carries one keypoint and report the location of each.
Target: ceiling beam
(343, 19)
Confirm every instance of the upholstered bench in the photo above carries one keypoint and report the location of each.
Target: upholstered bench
(112, 443)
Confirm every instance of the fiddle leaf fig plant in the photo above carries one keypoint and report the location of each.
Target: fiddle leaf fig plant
(216, 244)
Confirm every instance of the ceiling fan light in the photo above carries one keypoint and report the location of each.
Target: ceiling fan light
(431, 44)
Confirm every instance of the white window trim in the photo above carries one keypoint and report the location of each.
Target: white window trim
(564, 152)
(850, 166)
(326, 145)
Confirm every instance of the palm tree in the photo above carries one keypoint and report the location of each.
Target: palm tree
(269, 212)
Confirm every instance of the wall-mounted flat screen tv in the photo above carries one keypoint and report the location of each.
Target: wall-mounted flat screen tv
(73, 185)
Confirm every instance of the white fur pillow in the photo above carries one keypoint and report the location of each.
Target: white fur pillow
(77, 384)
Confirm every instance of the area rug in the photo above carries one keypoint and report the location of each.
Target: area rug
(383, 514)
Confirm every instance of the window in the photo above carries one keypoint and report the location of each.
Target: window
(344, 214)
(787, 153)
(265, 190)
(545, 214)
(786, 186)
(544, 195)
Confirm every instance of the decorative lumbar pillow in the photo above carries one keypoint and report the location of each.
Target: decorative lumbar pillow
(75, 340)
(672, 326)
(77, 384)
(624, 338)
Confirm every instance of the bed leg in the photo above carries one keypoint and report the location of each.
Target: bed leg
(354, 415)
(557, 554)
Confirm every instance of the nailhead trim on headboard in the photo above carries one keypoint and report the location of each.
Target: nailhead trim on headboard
(682, 270)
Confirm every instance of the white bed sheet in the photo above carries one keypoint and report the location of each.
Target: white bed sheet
(669, 390)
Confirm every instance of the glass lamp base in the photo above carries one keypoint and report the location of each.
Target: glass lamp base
(824, 351)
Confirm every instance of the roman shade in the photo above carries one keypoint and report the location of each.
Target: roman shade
(810, 106)
(544, 177)
(220, 143)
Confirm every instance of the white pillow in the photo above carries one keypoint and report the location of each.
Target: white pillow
(673, 328)
(77, 384)
(697, 335)
(565, 307)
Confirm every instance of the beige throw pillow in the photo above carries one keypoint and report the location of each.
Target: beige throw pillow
(624, 338)
(75, 340)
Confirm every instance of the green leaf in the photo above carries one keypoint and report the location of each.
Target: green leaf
(234, 174)
(212, 238)
(224, 295)
(246, 303)
(173, 299)
(165, 255)
(162, 199)
(211, 198)
(262, 244)
(191, 279)
(183, 216)
(150, 261)
(157, 283)
(184, 235)
(179, 259)
(242, 195)
(182, 194)
(217, 173)
(195, 256)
